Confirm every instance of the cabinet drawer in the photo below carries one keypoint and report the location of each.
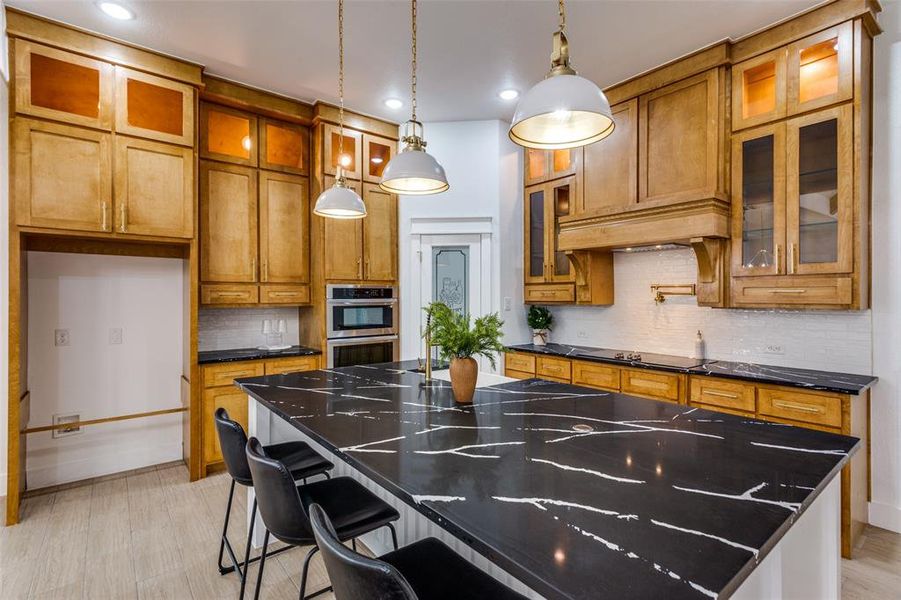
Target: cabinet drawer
(807, 407)
(651, 384)
(232, 400)
(284, 294)
(792, 291)
(518, 374)
(553, 368)
(595, 375)
(228, 294)
(550, 293)
(520, 362)
(281, 366)
(226, 373)
(723, 393)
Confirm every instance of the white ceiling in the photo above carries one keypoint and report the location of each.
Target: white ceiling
(468, 49)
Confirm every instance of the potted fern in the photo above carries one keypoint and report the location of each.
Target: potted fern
(541, 321)
(459, 339)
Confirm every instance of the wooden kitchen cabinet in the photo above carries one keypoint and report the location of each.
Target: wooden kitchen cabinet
(656, 385)
(352, 156)
(681, 134)
(759, 89)
(546, 165)
(154, 188)
(820, 70)
(377, 153)
(343, 242)
(284, 147)
(379, 234)
(228, 223)
(62, 176)
(228, 135)
(718, 394)
(545, 263)
(284, 228)
(610, 167)
(555, 369)
(154, 107)
(596, 375)
(232, 400)
(62, 86)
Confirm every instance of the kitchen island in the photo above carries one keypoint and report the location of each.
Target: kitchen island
(570, 492)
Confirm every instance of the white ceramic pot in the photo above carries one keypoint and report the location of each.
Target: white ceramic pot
(539, 337)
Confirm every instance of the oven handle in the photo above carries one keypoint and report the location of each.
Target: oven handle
(367, 302)
(358, 341)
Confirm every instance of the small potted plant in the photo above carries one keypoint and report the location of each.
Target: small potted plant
(459, 339)
(541, 321)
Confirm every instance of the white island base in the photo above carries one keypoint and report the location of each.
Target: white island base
(804, 565)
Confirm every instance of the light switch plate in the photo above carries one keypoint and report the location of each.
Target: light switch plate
(115, 335)
(60, 337)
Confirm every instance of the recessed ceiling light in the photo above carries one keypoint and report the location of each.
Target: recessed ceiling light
(116, 11)
(508, 94)
(394, 103)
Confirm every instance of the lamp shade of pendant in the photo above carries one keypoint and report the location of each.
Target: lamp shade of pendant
(340, 202)
(562, 111)
(414, 172)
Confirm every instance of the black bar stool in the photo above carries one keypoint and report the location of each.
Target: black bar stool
(424, 570)
(284, 505)
(301, 460)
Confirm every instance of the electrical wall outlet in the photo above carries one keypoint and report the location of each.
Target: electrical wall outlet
(115, 335)
(583, 335)
(774, 349)
(66, 431)
(60, 337)
(508, 303)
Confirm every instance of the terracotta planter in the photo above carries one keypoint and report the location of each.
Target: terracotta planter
(463, 373)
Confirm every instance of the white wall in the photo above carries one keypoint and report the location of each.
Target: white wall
(88, 295)
(4, 243)
(485, 176)
(885, 508)
(230, 328)
(838, 341)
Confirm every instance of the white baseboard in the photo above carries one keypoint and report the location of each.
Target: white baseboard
(104, 464)
(885, 516)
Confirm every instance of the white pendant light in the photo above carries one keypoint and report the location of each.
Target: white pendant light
(340, 201)
(564, 110)
(414, 172)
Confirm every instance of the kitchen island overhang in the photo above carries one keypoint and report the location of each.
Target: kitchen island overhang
(572, 491)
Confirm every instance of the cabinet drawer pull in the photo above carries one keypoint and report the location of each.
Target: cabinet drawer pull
(778, 255)
(283, 294)
(720, 394)
(552, 368)
(788, 291)
(236, 373)
(798, 407)
(123, 218)
(104, 218)
(791, 258)
(230, 294)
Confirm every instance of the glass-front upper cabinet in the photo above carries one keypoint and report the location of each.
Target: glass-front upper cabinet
(66, 87)
(349, 156)
(284, 147)
(758, 196)
(819, 169)
(228, 135)
(547, 165)
(562, 194)
(759, 89)
(820, 69)
(154, 107)
(377, 153)
(535, 239)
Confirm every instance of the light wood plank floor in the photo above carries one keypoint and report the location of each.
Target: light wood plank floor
(155, 535)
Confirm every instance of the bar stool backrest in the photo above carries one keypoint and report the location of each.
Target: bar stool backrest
(277, 497)
(232, 441)
(354, 576)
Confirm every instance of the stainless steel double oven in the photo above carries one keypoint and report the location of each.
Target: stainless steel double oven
(362, 324)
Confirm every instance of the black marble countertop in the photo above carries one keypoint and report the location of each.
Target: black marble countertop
(237, 354)
(842, 383)
(578, 493)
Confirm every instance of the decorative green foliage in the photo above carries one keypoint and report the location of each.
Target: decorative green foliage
(457, 338)
(540, 317)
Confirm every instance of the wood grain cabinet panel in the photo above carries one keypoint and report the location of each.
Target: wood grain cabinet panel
(792, 292)
(595, 375)
(549, 294)
(553, 368)
(518, 374)
(820, 69)
(724, 393)
(379, 234)
(281, 366)
(284, 228)
(759, 89)
(154, 188)
(284, 147)
(656, 385)
(820, 408)
(352, 152)
(62, 176)
(232, 400)
(153, 107)
(680, 132)
(230, 294)
(343, 242)
(224, 374)
(519, 362)
(228, 223)
(610, 168)
(285, 294)
(59, 85)
(228, 135)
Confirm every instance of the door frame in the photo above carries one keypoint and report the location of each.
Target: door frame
(455, 230)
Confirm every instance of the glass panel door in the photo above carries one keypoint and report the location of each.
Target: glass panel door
(758, 191)
(535, 267)
(820, 69)
(563, 193)
(819, 192)
(450, 277)
(535, 166)
(377, 153)
(759, 88)
(228, 135)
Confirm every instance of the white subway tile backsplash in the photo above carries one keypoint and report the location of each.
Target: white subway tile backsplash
(827, 340)
(227, 328)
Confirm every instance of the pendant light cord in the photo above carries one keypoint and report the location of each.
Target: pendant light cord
(561, 10)
(341, 79)
(413, 64)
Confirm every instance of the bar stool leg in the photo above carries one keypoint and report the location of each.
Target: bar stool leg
(256, 593)
(253, 518)
(303, 577)
(393, 534)
(223, 542)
